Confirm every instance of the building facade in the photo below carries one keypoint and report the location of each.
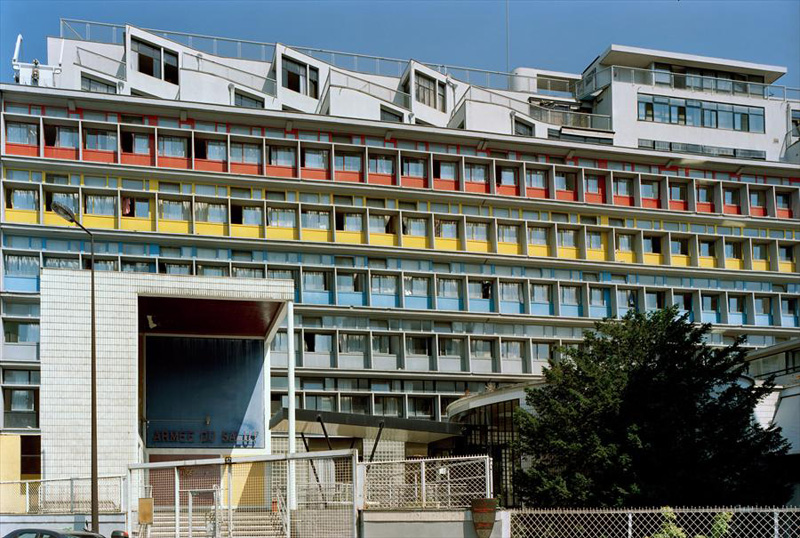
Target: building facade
(446, 228)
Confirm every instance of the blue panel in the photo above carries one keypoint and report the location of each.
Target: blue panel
(448, 303)
(512, 307)
(542, 309)
(317, 297)
(21, 283)
(599, 311)
(682, 312)
(388, 301)
(737, 318)
(204, 393)
(571, 310)
(422, 303)
(480, 305)
(789, 321)
(763, 319)
(710, 317)
(351, 298)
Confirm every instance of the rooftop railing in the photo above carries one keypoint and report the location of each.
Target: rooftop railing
(682, 81)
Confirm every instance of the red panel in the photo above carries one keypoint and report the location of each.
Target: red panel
(413, 182)
(381, 179)
(783, 213)
(679, 205)
(569, 196)
(246, 168)
(756, 211)
(209, 166)
(536, 193)
(348, 176)
(652, 203)
(281, 171)
(137, 159)
(705, 207)
(22, 149)
(61, 153)
(508, 190)
(471, 186)
(731, 209)
(623, 200)
(100, 156)
(593, 197)
(314, 173)
(173, 162)
(445, 184)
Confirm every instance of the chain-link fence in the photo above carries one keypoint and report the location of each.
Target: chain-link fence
(247, 497)
(426, 483)
(647, 523)
(61, 496)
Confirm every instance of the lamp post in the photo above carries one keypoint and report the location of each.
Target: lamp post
(67, 214)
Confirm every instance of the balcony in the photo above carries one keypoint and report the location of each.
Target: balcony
(25, 216)
(26, 150)
(210, 165)
(281, 233)
(251, 231)
(99, 155)
(53, 152)
(449, 303)
(512, 307)
(21, 351)
(249, 169)
(351, 298)
(20, 419)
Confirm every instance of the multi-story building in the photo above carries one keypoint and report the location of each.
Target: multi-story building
(446, 228)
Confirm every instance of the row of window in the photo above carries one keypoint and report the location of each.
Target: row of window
(696, 113)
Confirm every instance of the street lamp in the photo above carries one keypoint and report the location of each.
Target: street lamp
(67, 214)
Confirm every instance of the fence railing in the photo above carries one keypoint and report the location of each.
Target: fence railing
(249, 497)
(61, 496)
(644, 523)
(426, 483)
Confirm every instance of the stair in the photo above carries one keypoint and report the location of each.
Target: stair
(247, 523)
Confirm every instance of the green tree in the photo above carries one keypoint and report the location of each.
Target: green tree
(645, 413)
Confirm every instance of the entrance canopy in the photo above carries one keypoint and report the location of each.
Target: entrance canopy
(365, 426)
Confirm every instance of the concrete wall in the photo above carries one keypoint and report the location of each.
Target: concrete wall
(427, 524)
(73, 522)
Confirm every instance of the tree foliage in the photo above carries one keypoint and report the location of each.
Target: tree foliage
(645, 413)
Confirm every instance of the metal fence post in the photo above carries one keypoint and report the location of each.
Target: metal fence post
(489, 478)
(776, 524)
(630, 524)
(354, 465)
(422, 481)
(129, 507)
(230, 499)
(71, 495)
(177, 494)
(28, 497)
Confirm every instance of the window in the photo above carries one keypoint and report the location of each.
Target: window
(414, 167)
(417, 227)
(315, 281)
(281, 217)
(425, 89)
(627, 298)
(710, 303)
(382, 224)
(705, 195)
(349, 222)
(625, 243)
(507, 233)
(477, 231)
(174, 210)
(540, 293)
(348, 162)
(733, 250)
(22, 199)
(448, 288)
(135, 207)
(22, 133)
(706, 248)
(565, 182)
(381, 164)
(651, 245)
(476, 173)
(246, 101)
(206, 212)
(760, 251)
(511, 292)
(212, 150)
(570, 295)
(60, 136)
(567, 238)
(315, 158)
(137, 143)
(446, 229)
(623, 187)
(763, 305)
(594, 240)
(299, 77)
(416, 286)
(384, 284)
(317, 343)
(352, 343)
(349, 282)
(654, 300)
(537, 235)
(100, 205)
(677, 192)
(650, 189)
(535, 179)
(146, 58)
(785, 253)
(758, 198)
(445, 170)
(420, 408)
(679, 246)
(593, 184)
(789, 306)
(735, 304)
(783, 200)
(94, 85)
(20, 377)
(20, 332)
(390, 115)
(441, 97)
(281, 156)
(170, 67)
(245, 153)
(101, 140)
(173, 146)
(20, 409)
(480, 289)
(316, 220)
(598, 296)
(523, 129)
(700, 113)
(418, 345)
(451, 347)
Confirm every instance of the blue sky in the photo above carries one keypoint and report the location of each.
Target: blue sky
(563, 35)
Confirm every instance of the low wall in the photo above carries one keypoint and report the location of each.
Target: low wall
(427, 524)
(75, 522)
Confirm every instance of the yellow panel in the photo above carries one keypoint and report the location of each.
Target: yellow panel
(26, 216)
(51, 219)
(568, 252)
(99, 221)
(443, 243)
(653, 259)
(349, 237)
(138, 224)
(415, 241)
(249, 484)
(508, 248)
(210, 228)
(174, 226)
(760, 265)
(477, 246)
(596, 254)
(707, 261)
(538, 250)
(389, 240)
(281, 233)
(680, 260)
(625, 256)
(786, 267)
(12, 497)
(733, 263)
(604, 220)
(247, 230)
(323, 236)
